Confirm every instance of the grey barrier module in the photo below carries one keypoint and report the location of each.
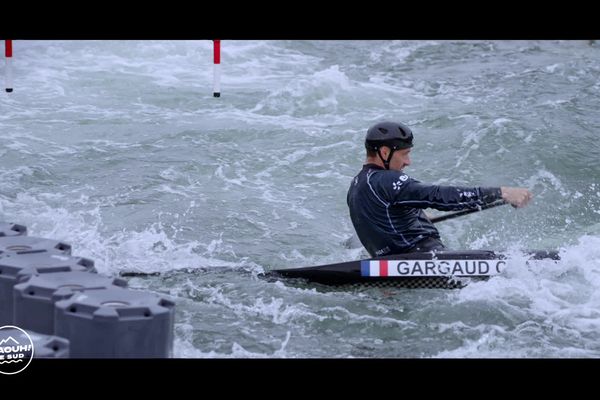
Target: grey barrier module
(15, 268)
(34, 299)
(44, 346)
(10, 229)
(48, 346)
(116, 323)
(30, 244)
(73, 317)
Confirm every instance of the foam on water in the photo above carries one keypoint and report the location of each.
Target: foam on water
(554, 301)
(126, 250)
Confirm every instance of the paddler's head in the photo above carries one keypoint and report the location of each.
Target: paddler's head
(388, 144)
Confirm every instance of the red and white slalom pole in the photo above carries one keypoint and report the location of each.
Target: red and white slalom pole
(217, 68)
(9, 72)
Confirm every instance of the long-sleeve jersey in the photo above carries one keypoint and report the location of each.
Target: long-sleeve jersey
(386, 208)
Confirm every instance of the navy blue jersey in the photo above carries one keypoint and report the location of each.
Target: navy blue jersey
(386, 208)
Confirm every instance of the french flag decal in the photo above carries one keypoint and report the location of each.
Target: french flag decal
(374, 268)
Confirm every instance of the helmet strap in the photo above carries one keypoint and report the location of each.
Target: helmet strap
(386, 163)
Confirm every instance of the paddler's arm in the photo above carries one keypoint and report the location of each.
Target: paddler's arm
(412, 193)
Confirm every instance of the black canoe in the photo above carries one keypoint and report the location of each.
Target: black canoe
(442, 269)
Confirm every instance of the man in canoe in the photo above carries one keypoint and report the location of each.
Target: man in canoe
(386, 205)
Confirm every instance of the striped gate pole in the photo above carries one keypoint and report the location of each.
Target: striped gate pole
(217, 68)
(9, 73)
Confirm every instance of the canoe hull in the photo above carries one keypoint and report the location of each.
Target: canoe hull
(442, 269)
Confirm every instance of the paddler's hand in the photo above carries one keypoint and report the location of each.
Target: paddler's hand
(516, 197)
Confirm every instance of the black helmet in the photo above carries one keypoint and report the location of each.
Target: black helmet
(395, 135)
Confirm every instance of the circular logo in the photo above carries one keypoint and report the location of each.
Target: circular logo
(16, 350)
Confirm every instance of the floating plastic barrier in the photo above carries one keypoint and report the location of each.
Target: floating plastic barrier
(44, 346)
(69, 310)
(29, 245)
(10, 229)
(16, 268)
(116, 323)
(34, 299)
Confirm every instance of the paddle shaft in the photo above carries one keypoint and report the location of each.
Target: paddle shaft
(465, 212)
